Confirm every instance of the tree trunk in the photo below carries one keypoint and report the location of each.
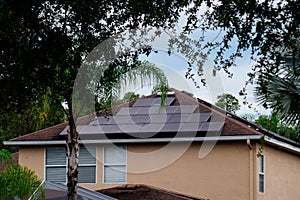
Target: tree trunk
(73, 154)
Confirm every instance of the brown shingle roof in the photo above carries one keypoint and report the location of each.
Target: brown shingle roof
(232, 127)
(50, 133)
(144, 192)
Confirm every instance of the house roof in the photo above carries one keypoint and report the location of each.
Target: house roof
(215, 122)
(58, 191)
(144, 192)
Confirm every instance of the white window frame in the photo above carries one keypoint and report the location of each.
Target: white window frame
(49, 166)
(66, 164)
(114, 164)
(89, 165)
(261, 173)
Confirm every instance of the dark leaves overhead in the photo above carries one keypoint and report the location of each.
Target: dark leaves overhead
(43, 43)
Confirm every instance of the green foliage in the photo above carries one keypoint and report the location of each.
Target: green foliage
(36, 115)
(280, 91)
(17, 181)
(268, 122)
(130, 96)
(228, 102)
(131, 74)
(274, 124)
(5, 156)
(266, 28)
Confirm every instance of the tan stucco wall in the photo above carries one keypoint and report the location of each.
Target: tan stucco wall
(229, 171)
(33, 158)
(282, 175)
(223, 174)
(225, 171)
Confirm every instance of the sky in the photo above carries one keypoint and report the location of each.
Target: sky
(175, 67)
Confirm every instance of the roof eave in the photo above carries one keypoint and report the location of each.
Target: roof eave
(139, 140)
(282, 145)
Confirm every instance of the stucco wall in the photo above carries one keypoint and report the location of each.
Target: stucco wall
(229, 171)
(33, 158)
(223, 174)
(282, 175)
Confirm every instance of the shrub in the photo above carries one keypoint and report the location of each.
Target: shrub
(17, 181)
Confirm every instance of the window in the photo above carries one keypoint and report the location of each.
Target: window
(261, 174)
(114, 167)
(56, 165)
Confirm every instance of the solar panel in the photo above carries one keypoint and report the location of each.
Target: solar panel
(146, 102)
(112, 128)
(142, 119)
(128, 111)
(176, 118)
(162, 119)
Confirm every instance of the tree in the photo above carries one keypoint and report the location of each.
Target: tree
(274, 124)
(34, 116)
(228, 102)
(43, 45)
(270, 31)
(5, 157)
(17, 181)
(130, 96)
(266, 28)
(280, 91)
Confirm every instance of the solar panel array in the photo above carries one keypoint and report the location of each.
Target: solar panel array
(147, 116)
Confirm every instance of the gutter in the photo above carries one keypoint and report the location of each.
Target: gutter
(139, 140)
(281, 144)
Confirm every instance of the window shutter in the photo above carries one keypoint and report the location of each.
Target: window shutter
(114, 174)
(56, 165)
(56, 156)
(114, 155)
(87, 155)
(87, 174)
(56, 174)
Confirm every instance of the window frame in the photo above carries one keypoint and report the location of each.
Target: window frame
(114, 164)
(66, 164)
(89, 165)
(261, 173)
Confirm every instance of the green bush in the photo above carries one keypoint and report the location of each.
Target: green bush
(17, 181)
(5, 156)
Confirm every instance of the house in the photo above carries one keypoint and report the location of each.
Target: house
(188, 146)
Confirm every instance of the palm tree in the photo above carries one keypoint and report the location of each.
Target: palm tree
(280, 89)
